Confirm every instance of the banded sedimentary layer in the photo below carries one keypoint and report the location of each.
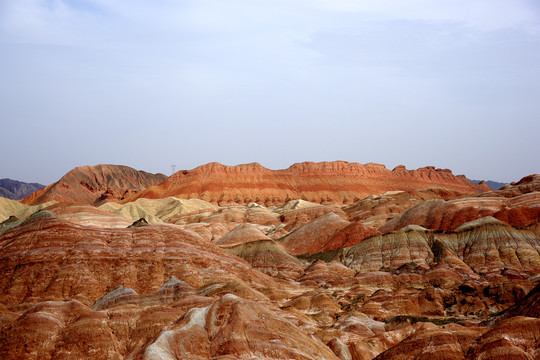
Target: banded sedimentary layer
(327, 182)
(95, 185)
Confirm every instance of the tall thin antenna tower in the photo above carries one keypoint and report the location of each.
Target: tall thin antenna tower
(173, 167)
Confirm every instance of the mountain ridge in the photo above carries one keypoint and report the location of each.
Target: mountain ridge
(16, 190)
(95, 185)
(324, 182)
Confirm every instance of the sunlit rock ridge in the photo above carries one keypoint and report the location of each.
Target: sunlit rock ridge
(326, 182)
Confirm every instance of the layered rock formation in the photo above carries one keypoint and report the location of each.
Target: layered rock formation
(327, 182)
(521, 211)
(514, 339)
(64, 258)
(376, 210)
(486, 246)
(304, 280)
(95, 185)
(157, 210)
(88, 215)
(14, 208)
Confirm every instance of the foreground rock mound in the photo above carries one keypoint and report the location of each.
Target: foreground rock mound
(327, 182)
(64, 257)
(95, 185)
(517, 338)
(234, 328)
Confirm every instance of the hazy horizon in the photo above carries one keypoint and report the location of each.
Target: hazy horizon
(148, 84)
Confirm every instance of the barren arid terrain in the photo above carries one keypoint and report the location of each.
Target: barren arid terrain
(330, 260)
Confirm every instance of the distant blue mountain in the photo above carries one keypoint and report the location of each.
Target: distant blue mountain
(492, 184)
(16, 190)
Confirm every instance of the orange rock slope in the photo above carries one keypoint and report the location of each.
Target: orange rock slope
(95, 184)
(517, 205)
(325, 182)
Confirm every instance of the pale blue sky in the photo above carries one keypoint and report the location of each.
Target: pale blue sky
(454, 84)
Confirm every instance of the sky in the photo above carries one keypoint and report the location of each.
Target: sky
(449, 83)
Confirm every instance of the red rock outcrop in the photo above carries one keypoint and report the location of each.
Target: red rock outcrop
(449, 342)
(234, 328)
(194, 327)
(529, 306)
(517, 205)
(443, 215)
(350, 235)
(95, 185)
(485, 246)
(269, 258)
(528, 184)
(376, 210)
(333, 273)
(296, 218)
(216, 282)
(327, 182)
(241, 234)
(46, 258)
(315, 236)
(516, 338)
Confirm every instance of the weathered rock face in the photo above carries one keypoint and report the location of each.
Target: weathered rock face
(88, 215)
(486, 246)
(157, 210)
(376, 210)
(350, 235)
(327, 182)
(526, 185)
(46, 258)
(95, 185)
(517, 205)
(212, 282)
(315, 236)
(516, 338)
(224, 327)
(450, 342)
(269, 258)
(443, 215)
(241, 234)
(235, 328)
(529, 306)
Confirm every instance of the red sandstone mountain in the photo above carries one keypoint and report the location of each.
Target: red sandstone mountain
(325, 182)
(96, 184)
